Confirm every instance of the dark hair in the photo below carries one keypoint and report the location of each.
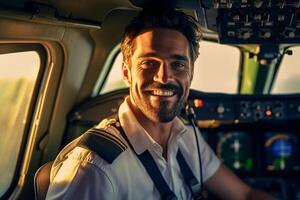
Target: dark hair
(163, 18)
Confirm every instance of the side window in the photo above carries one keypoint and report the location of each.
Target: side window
(114, 79)
(287, 79)
(19, 72)
(214, 61)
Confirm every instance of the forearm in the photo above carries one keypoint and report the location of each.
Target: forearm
(258, 195)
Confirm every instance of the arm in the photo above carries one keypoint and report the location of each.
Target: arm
(80, 180)
(226, 185)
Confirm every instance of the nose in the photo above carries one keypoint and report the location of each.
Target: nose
(163, 74)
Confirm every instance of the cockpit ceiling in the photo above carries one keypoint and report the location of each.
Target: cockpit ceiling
(230, 21)
(87, 11)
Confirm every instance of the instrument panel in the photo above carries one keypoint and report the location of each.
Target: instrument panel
(256, 136)
(245, 108)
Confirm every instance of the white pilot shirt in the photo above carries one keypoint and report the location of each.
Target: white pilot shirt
(84, 175)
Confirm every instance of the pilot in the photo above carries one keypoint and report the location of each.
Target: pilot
(146, 152)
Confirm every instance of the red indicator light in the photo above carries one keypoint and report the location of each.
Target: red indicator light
(268, 113)
(198, 103)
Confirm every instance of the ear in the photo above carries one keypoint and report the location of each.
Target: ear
(126, 73)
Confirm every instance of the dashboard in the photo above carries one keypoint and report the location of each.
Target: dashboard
(257, 136)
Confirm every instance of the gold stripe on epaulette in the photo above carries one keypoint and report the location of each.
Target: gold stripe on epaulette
(109, 134)
(110, 137)
(120, 145)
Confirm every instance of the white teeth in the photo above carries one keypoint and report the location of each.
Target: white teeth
(166, 93)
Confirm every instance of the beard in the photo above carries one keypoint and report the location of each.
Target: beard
(165, 111)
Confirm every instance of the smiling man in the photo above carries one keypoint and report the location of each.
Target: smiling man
(146, 152)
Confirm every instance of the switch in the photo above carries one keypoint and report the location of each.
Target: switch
(280, 18)
(245, 34)
(258, 3)
(230, 33)
(289, 33)
(220, 109)
(257, 17)
(266, 34)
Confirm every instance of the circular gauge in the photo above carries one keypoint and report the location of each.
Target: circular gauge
(235, 149)
(281, 152)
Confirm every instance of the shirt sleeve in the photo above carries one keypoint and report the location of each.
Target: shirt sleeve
(77, 179)
(210, 162)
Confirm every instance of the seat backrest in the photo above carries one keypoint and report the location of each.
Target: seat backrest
(42, 181)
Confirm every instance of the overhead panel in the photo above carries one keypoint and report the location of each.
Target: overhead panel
(255, 21)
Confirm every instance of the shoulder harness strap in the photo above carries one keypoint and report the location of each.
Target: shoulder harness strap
(105, 144)
(189, 178)
(150, 166)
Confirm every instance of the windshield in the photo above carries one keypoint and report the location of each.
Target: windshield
(287, 80)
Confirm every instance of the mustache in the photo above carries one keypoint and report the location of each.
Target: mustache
(167, 86)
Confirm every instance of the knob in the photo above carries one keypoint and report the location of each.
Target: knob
(220, 109)
(265, 34)
(246, 35)
(289, 33)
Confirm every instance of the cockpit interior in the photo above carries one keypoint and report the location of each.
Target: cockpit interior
(60, 74)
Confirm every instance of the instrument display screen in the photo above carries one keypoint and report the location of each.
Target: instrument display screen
(235, 149)
(281, 152)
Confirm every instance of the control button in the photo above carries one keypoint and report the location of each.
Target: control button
(277, 114)
(257, 17)
(236, 18)
(289, 33)
(198, 103)
(281, 18)
(298, 108)
(257, 106)
(258, 3)
(265, 34)
(245, 115)
(258, 115)
(268, 113)
(244, 104)
(245, 35)
(220, 109)
(231, 33)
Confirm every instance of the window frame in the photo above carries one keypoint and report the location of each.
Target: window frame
(6, 48)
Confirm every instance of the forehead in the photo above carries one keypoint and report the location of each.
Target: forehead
(162, 41)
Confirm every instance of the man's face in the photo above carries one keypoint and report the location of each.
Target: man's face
(159, 74)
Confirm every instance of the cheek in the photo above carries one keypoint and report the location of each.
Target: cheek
(137, 80)
(185, 78)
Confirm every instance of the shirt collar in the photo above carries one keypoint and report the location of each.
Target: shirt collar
(137, 135)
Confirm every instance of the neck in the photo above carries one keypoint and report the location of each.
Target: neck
(160, 132)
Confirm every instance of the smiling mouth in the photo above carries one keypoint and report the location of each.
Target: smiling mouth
(162, 92)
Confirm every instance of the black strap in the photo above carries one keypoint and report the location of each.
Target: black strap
(98, 140)
(152, 169)
(189, 177)
(156, 176)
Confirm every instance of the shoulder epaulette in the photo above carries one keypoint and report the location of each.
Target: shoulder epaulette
(105, 144)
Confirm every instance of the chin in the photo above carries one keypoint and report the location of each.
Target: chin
(162, 117)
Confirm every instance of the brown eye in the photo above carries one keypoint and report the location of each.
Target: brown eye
(148, 64)
(179, 65)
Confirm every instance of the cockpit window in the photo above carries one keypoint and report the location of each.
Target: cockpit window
(214, 61)
(18, 76)
(114, 80)
(287, 80)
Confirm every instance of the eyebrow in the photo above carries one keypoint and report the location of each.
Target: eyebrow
(175, 56)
